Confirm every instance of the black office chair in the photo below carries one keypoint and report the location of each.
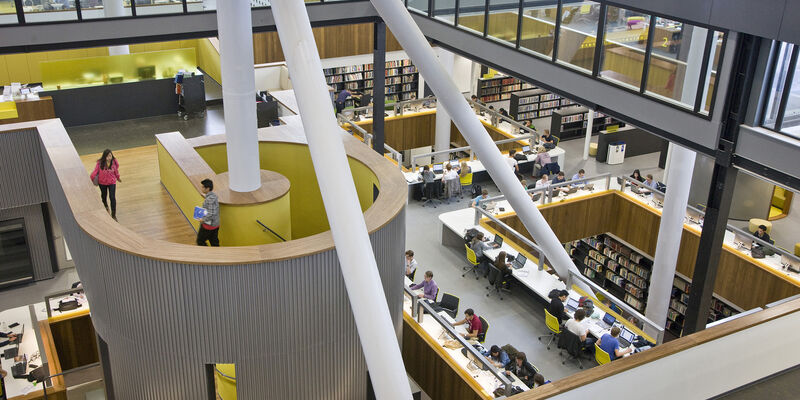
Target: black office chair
(572, 344)
(431, 191)
(449, 304)
(412, 275)
(484, 329)
(497, 282)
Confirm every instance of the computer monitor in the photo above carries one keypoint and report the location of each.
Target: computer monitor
(438, 168)
(526, 149)
(475, 362)
(453, 163)
(498, 240)
(572, 304)
(790, 263)
(520, 260)
(609, 319)
(745, 242)
(627, 335)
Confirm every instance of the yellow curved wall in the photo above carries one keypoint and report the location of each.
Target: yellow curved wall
(293, 161)
(238, 226)
(226, 387)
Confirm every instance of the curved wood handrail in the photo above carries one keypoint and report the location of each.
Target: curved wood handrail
(92, 218)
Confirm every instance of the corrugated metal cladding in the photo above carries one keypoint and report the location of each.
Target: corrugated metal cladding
(287, 325)
(21, 176)
(36, 235)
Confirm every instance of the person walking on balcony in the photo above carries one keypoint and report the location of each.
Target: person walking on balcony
(106, 175)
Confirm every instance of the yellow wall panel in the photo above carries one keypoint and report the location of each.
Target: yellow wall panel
(18, 68)
(3, 72)
(33, 65)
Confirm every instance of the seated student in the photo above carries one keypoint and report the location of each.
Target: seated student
(513, 163)
(650, 182)
(544, 182)
(556, 307)
(612, 306)
(430, 288)
(9, 336)
(451, 183)
(637, 175)
(762, 234)
(427, 175)
(478, 245)
(548, 141)
(543, 159)
(497, 356)
(559, 178)
(610, 344)
(503, 112)
(538, 380)
(476, 202)
(579, 176)
(473, 324)
(580, 327)
(503, 265)
(521, 368)
(411, 263)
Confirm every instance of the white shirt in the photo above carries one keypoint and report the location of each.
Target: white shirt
(512, 163)
(578, 328)
(540, 184)
(412, 266)
(451, 174)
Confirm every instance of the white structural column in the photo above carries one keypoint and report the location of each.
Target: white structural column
(588, 141)
(359, 269)
(235, 28)
(442, 137)
(669, 235)
(114, 8)
(414, 43)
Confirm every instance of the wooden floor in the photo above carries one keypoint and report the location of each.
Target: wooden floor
(143, 205)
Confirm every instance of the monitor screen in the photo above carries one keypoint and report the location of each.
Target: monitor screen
(627, 335)
(792, 264)
(609, 319)
(498, 239)
(526, 149)
(572, 303)
(437, 168)
(744, 241)
(454, 163)
(520, 259)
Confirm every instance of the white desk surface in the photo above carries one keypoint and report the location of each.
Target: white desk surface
(485, 378)
(540, 282)
(41, 309)
(28, 346)
(772, 262)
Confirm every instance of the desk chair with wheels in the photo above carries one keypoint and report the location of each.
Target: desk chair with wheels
(484, 329)
(466, 184)
(473, 263)
(600, 355)
(497, 283)
(573, 346)
(449, 304)
(431, 191)
(555, 328)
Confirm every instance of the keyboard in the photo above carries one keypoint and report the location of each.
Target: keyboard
(19, 370)
(11, 353)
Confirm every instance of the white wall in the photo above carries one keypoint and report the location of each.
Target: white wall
(706, 370)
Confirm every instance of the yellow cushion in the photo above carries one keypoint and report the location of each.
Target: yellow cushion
(755, 222)
(592, 149)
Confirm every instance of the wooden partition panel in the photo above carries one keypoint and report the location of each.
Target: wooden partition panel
(740, 278)
(407, 132)
(332, 41)
(428, 364)
(32, 110)
(74, 340)
(496, 134)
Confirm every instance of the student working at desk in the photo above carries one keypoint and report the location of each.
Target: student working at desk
(498, 356)
(544, 182)
(513, 163)
(476, 202)
(430, 288)
(650, 182)
(580, 327)
(762, 234)
(610, 344)
(411, 264)
(504, 266)
(547, 140)
(478, 245)
(9, 337)
(522, 369)
(556, 307)
(473, 324)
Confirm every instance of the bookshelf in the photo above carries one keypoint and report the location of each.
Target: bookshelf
(570, 122)
(679, 301)
(536, 103)
(618, 268)
(499, 88)
(402, 79)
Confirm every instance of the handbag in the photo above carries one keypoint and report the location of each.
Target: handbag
(757, 252)
(96, 179)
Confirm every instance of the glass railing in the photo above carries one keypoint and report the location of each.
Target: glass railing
(669, 61)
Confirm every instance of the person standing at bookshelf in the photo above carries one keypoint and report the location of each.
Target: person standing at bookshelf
(341, 99)
(209, 225)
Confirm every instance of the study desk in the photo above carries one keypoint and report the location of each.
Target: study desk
(28, 346)
(438, 335)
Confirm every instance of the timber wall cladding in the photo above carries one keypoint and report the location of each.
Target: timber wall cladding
(332, 41)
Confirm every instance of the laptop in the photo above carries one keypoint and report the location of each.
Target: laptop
(626, 337)
(497, 242)
(635, 189)
(437, 169)
(608, 320)
(572, 304)
(454, 163)
(519, 262)
(526, 150)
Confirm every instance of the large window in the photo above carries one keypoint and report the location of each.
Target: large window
(782, 104)
(539, 27)
(624, 45)
(577, 35)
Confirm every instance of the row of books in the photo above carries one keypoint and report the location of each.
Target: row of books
(368, 67)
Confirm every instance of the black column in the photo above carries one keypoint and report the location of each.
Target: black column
(723, 180)
(378, 85)
(105, 363)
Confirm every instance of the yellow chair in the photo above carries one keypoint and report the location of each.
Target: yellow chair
(553, 325)
(592, 149)
(600, 355)
(473, 263)
(466, 183)
(755, 222)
